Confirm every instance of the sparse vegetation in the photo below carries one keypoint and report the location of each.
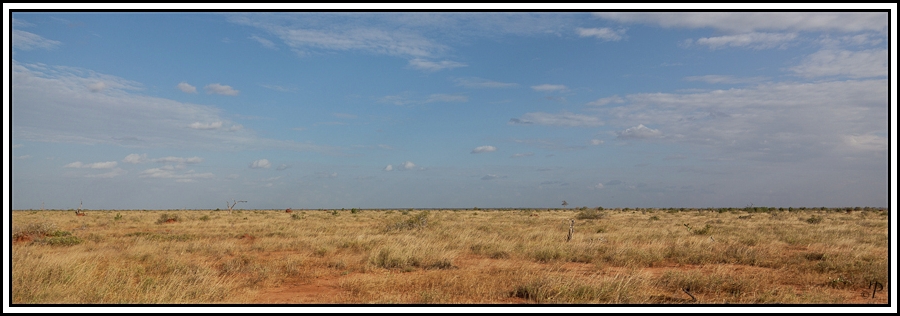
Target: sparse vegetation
(498, 256)
(168, 218)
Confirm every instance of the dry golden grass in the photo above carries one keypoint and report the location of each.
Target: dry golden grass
(647, 256)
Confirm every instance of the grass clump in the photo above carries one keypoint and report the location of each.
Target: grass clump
(45, 233)
(814, 219)
(168, 218)
(417, 221)
(590, 214)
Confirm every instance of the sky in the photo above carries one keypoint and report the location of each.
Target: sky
(311, 110)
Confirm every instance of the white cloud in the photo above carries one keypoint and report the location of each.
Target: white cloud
(135, 158)
(483, 149)
(265, 42)
(605, 101)
(483, 83)
(283, 167)
(722, 79)
(782, 121)
(278, 88)
(347, 32)
(549, 87)
(179, 160)
(492, 177)
(97, 86)
(407, 99)
(446, 98)
(28, 41)
(408, 165)
(747, 40)
(562, 119)
(220, 89)
(262, 163)
(23, 157)
(853, 64)
(188, 176)
(389, 168)
(522, 155)
(596, 142)
(743, 22)
(96, 165)
(639, 131)
(867, 142)
(605, 33)
(204, 126)
(187, 88)
(598, 186)
(53, 105)
(431, 66)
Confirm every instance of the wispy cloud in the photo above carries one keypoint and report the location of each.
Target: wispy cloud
(522, 155)
(265, 42)
(608, 100)
(484, 149)
(29, 41)
(408, 99)
(53, 104)
(723, 79)
(168, 173)
(135, 158)
(278, 88)
(745, 22)
(446, 98)
(638, 132)
(483, 83)
(852, 64)
(187, 88)
(283, 167)
(96, 165)
(549, 87)
(407, 165)
(110, 174)
(748, 40)
(211, 125)
(260, 164)
(432, 66)
(220, 89)
(606, 34)
(178, 160)
(492, 177)
(782, 121)
(389, 168)
(561, 119)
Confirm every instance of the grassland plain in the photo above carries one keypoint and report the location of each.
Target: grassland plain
(407, 256)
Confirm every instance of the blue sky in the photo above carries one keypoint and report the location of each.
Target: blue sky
(171, 110)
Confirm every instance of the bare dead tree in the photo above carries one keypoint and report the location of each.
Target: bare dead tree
(231, 205)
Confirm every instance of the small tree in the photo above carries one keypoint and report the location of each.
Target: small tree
(231, 205)
(564, 204)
